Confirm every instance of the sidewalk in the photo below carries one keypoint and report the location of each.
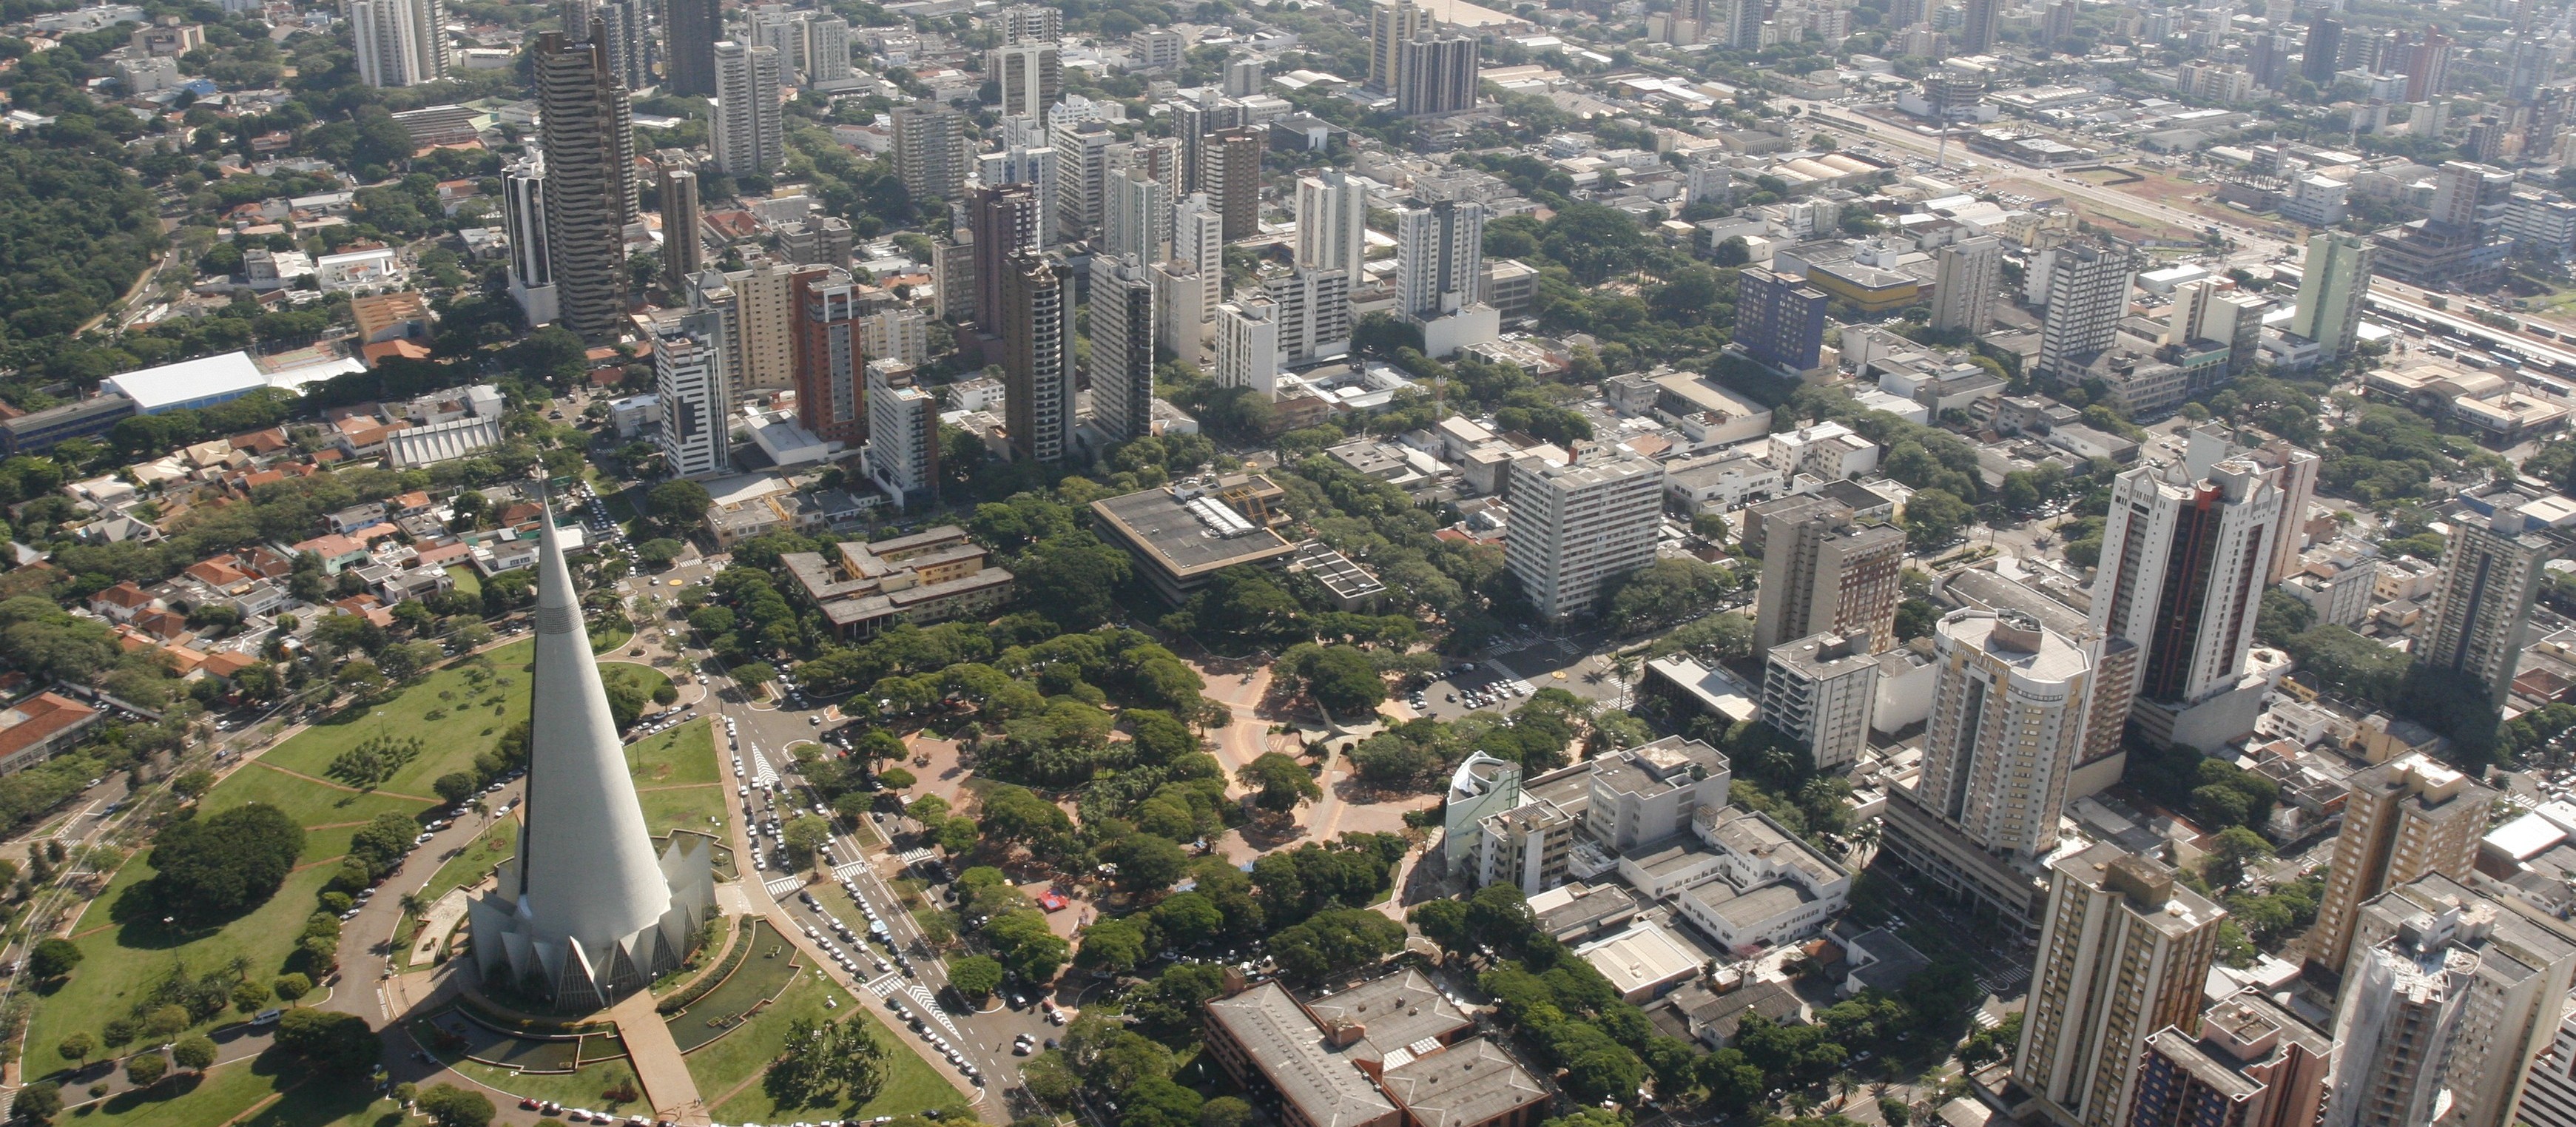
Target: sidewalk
(668, 1087)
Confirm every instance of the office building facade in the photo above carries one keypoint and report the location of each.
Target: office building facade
(1780, 319)
(523, 216)
(1031, 77)
(692, 27)
(1006, 221)
(684, 246)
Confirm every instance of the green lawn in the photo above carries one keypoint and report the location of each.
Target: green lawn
(470, 866)
(311, 804)
(686, 754)
(604, 640)
(466, 579)
(645, 678)
(469, 724)
(124, 959)
(911, 1085)
(214, 1098)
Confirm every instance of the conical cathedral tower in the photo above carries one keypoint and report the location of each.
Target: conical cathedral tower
(585, 914)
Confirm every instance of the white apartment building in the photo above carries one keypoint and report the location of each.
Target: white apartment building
(1575, 527)
(399, 42)
(899, 333)
(903, 434)
(749, 132)
(1247, 346)
(1819, 690)
(689, 381)
(2006, 730)
(1314, 313)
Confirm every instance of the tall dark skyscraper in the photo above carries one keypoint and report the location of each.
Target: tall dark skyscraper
(694, 26)
(1037, 356)
(2324, 46)
(1004, 219)
(588, 133)
(684, 250)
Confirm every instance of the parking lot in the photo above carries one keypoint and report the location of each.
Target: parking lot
(1468, 687)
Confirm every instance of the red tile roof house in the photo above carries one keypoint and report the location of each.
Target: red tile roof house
(122, 602)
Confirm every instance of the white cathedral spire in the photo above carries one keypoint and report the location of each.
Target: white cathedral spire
(585, 908)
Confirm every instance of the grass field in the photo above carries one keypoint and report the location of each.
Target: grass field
(602, 641)
(477, 700)
(465, 578)
(579, 1088)
(911, 1086)
(125, 952)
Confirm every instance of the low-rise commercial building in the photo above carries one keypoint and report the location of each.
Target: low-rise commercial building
(930, 576)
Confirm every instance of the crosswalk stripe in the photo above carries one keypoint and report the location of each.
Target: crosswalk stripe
(783, 886)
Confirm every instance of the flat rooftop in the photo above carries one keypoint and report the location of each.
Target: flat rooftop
(1640, 958)
(1746, 908)
(1184, 539)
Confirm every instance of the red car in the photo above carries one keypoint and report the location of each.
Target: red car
(529, 1104)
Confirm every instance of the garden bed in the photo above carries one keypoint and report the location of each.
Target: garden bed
(763, 965)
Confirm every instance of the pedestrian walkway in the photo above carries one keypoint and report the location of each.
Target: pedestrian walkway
(658, 1063)
(849, 869)
(917, 856)
(783, 886)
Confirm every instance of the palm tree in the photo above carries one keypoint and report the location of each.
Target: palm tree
(413, 905)
(1624, 664)
(1844, 1085)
